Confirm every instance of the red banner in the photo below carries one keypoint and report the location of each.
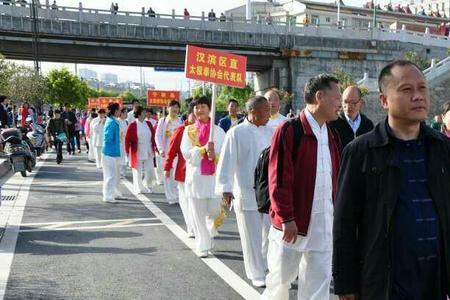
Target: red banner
(161, 98)
(215, 66)
(102, 102)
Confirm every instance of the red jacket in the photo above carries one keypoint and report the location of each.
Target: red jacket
(175, 151)
(291, 185)
(131, 142)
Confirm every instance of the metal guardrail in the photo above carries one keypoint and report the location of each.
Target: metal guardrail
(67, 15)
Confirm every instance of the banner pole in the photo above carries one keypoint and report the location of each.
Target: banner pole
(213, 112)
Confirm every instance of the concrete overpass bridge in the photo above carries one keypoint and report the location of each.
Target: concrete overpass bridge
(283, 54)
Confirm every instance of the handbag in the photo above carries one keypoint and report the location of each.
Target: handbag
(61, 137)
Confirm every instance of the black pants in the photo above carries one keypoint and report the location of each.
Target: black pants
(59, 154)
(71, 141)
(77, 141)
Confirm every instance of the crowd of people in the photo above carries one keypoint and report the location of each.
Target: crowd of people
(322, 196)
(337, 197)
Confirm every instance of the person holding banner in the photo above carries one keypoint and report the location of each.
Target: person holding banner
(200, 145)
(140, 147)
(111, 155)
(97, 129)
(164, 131)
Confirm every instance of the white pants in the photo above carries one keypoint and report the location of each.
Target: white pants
(159, 170)
(98, 157)
(265, 236)
(91, 155)
(111, 177)
(143, 176)
(250, 227)
(171, 188)
(185, 209)
(204, 212)
(313, 269)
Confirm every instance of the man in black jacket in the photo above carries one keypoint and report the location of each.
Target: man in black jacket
(351, 123)
(391, 237)
(3, 112)
(70, 118)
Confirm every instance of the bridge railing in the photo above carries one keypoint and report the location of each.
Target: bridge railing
(438, 69)
(103, 16)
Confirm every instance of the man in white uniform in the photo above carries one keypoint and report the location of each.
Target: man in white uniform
(97, 128)
(235, 180)
(164, 131)
(130, 115)
(273, 96)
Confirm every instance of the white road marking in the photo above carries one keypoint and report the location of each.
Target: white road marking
(89, 227)
(222, 270)
(8, 244)
(88, 221)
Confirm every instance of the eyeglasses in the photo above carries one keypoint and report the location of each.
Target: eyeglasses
(355, 102)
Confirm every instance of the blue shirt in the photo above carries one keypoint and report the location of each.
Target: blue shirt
(354, 124)
(416, 234)
(111, 141)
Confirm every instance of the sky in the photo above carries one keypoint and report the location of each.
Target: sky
(160, 79)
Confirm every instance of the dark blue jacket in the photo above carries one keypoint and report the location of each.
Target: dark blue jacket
(225, 122)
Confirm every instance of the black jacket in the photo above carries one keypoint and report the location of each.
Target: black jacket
(368, 186)
(3, 116)
(344, 130)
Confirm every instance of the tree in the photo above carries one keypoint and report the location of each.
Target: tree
(66, 87)
(414, 57)
(22, 84)
(344, 78)
(227, 93)
(198, 91)
(27, 86)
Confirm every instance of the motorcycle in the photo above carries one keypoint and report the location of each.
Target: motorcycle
(21, 156)
(37, 138)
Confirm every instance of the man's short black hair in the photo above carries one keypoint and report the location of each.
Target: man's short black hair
(101, 111)
(174, 102)
(134, 101)
(138, 111)
(233, 101)
(202, 100)
(123, 110)
(386, 72)
(66, 104)
(320, 82)
(2, 98)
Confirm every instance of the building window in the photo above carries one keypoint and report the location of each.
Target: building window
(315, 20)
(328, 20)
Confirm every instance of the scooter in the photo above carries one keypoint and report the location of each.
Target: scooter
(20, 154)
(37, 138)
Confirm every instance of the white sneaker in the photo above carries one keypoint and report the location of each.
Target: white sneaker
(202, 254)
(191, 235)
(110, 201)
(259, 283)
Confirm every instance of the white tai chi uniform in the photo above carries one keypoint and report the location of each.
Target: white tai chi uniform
(277, 120)
(110, 160)
(123, 156)
(164, 131)
(200, 189)
(97, 128)
(235, 173)
(143, 174)
(310, 257)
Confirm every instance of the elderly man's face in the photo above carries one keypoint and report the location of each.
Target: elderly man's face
(351, 102)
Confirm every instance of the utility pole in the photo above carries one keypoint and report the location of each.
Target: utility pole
(35, 39)
(338, 12)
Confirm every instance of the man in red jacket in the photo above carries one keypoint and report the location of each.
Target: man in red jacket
(180, 170)
(302, 187)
